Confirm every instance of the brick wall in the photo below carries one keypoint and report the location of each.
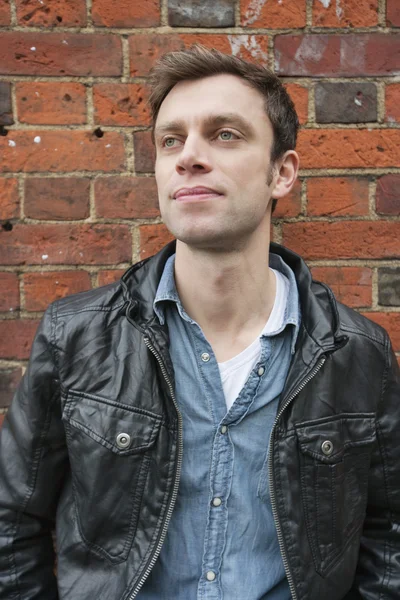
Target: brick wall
(77, 195)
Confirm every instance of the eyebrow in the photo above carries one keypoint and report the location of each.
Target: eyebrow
(210, 121)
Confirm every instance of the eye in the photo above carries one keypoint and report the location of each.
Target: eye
(169, 142)
(227, 136)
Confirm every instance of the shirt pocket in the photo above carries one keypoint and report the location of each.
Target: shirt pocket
(334, 465)
(110, 447)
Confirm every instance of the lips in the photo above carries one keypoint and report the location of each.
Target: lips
(198, 192)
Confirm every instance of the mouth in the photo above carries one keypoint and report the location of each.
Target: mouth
(195, 194)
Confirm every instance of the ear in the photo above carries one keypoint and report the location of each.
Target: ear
(285, 174)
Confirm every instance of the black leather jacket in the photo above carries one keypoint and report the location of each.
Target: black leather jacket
(100, 368)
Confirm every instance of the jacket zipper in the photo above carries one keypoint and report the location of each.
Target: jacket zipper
(289, 576)
(177, 473)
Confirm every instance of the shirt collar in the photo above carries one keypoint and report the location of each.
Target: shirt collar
(167, 291)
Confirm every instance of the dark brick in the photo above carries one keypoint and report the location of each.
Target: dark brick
(393, 13)
(389, 286)
(388, 195)
(6, 117)
(201, 13)
(345, 102)
(9, 379)
(145, 154)
(61, 198)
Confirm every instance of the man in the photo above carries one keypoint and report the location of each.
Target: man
(214, 425)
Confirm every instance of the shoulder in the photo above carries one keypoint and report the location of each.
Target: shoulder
(353, 322)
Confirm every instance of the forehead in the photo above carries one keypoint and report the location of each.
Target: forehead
(196, 100)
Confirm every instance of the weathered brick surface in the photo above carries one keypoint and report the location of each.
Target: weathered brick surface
(290, 205)
(351, 285)
(61, 151)
(392, 13)
(126, 197)
(9, 202)
(145, 154)
(45, 103)
(152, 239)
(16, 338)
(110, 276)
(388, 195)
(273, 15)
(5, 13)
(299, 95)
(392, 103)
(146, 49)
(345, 102)
(346, 239)
(389, 286)
(65, 244)
(9, 296)
(337, 196)
(121, 104)
(349, 148)
(337, 55)
(58, 198)
(201, 13)
(126, 13)
(9, 380)
(6, 117)
(389, 321)
(57, 13)
(351, 13)
(43, 288)
(59, 54)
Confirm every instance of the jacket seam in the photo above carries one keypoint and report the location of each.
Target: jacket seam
(94, 309)
(363, 333)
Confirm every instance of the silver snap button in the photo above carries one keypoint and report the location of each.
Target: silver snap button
(224, 429)
(205, 357)
(210, 575)
(261, 371)
(123, 440)
(327, 447)
(217, 502)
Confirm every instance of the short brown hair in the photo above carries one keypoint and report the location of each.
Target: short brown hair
(198, 62)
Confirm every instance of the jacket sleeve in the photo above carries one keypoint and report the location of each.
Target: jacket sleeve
(33, 461)
(378, 570)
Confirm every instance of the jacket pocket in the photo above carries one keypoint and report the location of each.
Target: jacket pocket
(334, 465)
(110, 447)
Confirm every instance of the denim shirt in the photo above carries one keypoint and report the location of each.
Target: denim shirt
(222, 541)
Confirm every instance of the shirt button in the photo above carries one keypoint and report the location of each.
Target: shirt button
(123, 440)
(217, 501)
(210, 575)
(261, 371)
(327, 447)
(205, 357)
(224, 429)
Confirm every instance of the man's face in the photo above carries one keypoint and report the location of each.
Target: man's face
(213, 141)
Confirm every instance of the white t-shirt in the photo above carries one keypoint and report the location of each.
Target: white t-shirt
(235, 372)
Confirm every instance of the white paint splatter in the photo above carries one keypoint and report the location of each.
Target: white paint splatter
(33, 48)
(339, 10)
(65, 42)
(37, 139)
(249, 43)
(253, 11)
(80, 254)
(45, 256)
(56, 282)
(325, 3)
(12, 143)
(11, 309)
(311, 50)
(37, 94)
(357, 101)
(108, 145)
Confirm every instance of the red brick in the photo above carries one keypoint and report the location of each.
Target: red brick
(344, 239)
(121, 104)
(126, 197)
(110, 276)
(61, 151)
(337, 196)
(51, 103)
(349, 148)
(389, 321)
(351, 13)
(57, 13)
(43, 288)
(60, 54)
(393, 13)
(9, 202)
(60, 198)
(126, 13)
(392, 103)
(290, 205)
(273, 14)
(351, 285)
(388, 195)
(147, 48)
(337, 55)
(9, 380)
(9, 297)
(16, 337)
(5, 13)
(145, 153)
(153, 238)
(65, 244)
(299, 95)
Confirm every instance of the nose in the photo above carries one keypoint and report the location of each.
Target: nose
(194, 157)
